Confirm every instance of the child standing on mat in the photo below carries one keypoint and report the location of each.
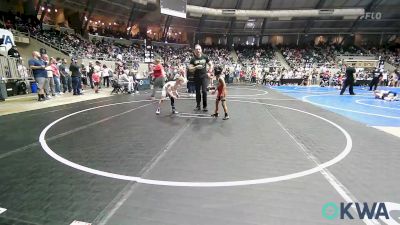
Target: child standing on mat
(96, 80)
(170, 90)
(221, 96)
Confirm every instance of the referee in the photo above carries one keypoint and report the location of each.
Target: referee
(198, 65)
(349, 82)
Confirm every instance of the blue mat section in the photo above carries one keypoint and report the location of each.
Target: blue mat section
(362, 107)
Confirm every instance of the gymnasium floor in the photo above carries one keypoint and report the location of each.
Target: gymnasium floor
(362, 107)
(278, 160)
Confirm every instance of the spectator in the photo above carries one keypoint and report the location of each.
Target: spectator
(158, 75)
(349, 82)
(90, 73)
(198, 65)
(50, 87)
(75, 76)
(66, 79)
(106, 75)
(39, 73)
(56, 75)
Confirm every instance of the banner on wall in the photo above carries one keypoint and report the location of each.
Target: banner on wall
(6, 40)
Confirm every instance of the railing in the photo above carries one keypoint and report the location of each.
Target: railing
(131, 41)
(356, 56)
(40, 39)
(156, 43)
(54, 27)
(11, 68)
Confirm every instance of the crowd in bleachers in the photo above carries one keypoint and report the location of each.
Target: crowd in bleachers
(262, 56)
(220, 55)
(108, 32)
(310, 56)
(311, 63)
(72, 44)
(389, 54)
(254, 63)
(76, 46)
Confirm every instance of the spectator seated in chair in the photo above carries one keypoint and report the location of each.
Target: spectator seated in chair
(117, 87)
(126, 82)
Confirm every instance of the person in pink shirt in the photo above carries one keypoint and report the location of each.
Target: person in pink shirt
(158, 77)
(96, 80)
(56, 75)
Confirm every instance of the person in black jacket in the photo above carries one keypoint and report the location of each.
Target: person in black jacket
(375, 81)
(65, 76)
(349, 82)
(198, 65)
(76, 76)
(90, 73)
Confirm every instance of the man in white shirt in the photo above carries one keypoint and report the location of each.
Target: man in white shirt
(126, 81)
(105, 74)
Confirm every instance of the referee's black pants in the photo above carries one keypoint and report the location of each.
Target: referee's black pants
(350, 84)
(201, 84)
(374, 83)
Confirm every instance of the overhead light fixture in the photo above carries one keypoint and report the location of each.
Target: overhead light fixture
(55, 10)
(228, 11)
(42, 8)
(242, 18)
(326, 11)
(48, 10)
(195, 14)
(350, 17)
(109, 24)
